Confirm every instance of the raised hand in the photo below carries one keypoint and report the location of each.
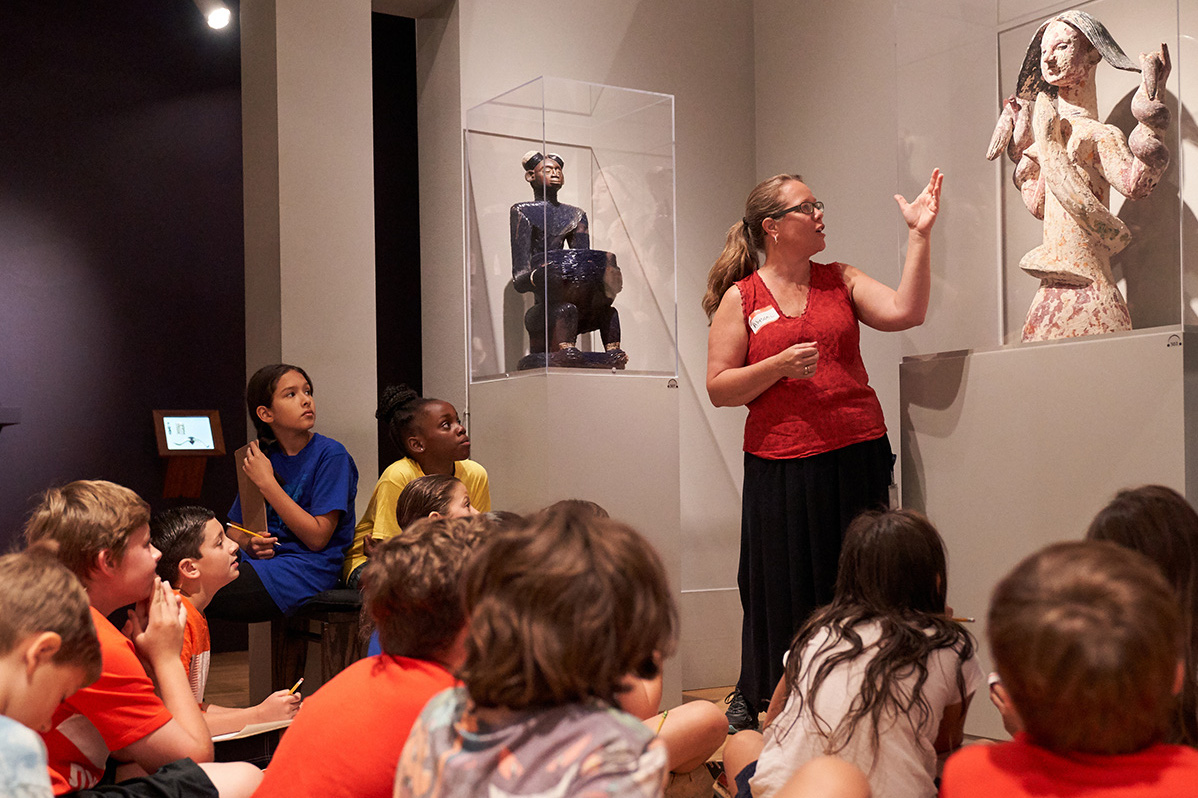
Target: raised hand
(920, 214)
(1154, 70)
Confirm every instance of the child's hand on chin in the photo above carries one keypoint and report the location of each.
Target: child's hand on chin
(157, 629)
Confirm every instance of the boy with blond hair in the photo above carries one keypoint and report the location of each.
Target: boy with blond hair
(147, 726)
(1086, 637)
(48, 650)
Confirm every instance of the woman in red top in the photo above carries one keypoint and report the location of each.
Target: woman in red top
(784, 341)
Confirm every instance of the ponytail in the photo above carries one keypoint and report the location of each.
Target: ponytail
(397, 409)
(744, 240)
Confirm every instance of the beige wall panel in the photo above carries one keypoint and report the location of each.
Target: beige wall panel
(1009, 450)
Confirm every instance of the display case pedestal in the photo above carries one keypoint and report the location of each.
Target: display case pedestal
(568, 434)
(1009, 450)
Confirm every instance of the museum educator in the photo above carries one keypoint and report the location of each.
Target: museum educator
(784, 341)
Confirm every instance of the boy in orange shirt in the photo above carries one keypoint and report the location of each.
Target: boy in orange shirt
(103, 537)
(198, 559)
(1087, 639)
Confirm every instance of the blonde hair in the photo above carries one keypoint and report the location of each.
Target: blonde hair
(38, 594)
(86, 517)
(745, 239)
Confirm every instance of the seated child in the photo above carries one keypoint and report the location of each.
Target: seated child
(48, 650)
(1087, 639)
(309, 482)
(433, 496)
(411, 590)
(693, 731)
(154, 726)
(561, 610)
(881, 677)
(433, 441)
(1160, 524)
(198, 560)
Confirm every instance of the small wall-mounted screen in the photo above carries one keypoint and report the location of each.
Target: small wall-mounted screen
(188, 433)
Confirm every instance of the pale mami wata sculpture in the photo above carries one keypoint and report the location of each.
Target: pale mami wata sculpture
(1066, 163)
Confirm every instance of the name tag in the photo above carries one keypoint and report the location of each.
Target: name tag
(761, 317)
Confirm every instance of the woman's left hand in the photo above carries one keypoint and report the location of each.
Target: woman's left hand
(920, 215)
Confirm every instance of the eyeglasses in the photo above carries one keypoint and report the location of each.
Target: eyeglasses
(805, 208)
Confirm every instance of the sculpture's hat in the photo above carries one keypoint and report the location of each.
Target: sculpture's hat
(534, 157)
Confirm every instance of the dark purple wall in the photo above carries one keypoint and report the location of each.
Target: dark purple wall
(121, 265)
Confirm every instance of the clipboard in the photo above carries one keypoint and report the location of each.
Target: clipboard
(253, 505)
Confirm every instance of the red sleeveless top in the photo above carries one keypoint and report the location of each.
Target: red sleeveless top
(833, 408)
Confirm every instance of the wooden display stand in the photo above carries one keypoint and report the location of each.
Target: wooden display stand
(185, 466)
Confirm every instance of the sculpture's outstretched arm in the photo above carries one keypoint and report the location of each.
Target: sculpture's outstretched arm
(1135, 168)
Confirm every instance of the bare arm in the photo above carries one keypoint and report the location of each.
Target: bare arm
(643, 696)
(157, 633)
(777, 702)
(952, 727)
(887, 309)
(313, 531)
(730, 381)
(279, 705)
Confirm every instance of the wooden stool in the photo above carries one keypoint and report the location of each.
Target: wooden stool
(338, 613)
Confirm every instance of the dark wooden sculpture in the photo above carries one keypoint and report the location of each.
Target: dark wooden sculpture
(573, 288)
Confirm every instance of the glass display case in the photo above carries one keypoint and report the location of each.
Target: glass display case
(1149, 270)
(571, 261)
(955, 66)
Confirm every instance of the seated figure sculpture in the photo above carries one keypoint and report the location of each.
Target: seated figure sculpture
(572, 288)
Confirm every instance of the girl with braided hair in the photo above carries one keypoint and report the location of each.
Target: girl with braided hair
(433, 441)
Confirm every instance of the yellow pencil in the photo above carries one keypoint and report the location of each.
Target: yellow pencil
(663, 722)
(232, 525)
(964, 620)
(295, 686)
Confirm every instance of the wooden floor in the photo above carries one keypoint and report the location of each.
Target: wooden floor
(229, 683)
(229, 680)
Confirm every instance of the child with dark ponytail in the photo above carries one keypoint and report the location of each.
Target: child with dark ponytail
(309, 482)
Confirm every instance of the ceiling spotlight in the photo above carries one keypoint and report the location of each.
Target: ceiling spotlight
(219, 18)
(216, 12)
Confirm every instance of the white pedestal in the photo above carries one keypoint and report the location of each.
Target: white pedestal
(1007, 451)
(574, 434)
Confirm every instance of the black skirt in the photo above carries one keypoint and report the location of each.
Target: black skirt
(793, 517)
